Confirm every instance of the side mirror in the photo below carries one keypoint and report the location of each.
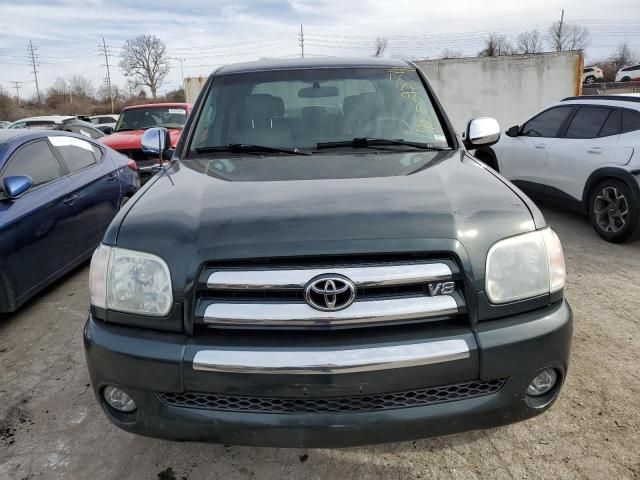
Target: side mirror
(482, 131)
(107, 130)
(16, 186)
(513, 131)
(156, 141)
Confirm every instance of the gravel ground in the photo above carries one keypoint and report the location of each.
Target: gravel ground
(51, 426)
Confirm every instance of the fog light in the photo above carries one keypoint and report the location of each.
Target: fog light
(543, 382)
(119, 399)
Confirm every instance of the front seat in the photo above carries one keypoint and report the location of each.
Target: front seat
(263, 122)
(359, 110)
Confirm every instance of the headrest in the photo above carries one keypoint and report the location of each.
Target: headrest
(363, 103)
(261, 106)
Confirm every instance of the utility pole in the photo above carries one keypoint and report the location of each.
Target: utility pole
(184, 87)
(70, 96)
(560, 31)
(106, 59)
(35, 71)
(181, 60)
(301, 42)
(16, 85)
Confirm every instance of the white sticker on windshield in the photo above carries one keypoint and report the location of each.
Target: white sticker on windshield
(69, 142)
(181, 111)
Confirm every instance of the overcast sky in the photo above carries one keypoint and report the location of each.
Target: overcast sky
(207, 33)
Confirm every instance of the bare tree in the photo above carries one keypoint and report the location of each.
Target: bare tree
(57, 95)
(103, 94)
(58, 88)
(578, 37)
(568, 36)
(81, 86)
(380, 46)
(8, 107)
(530, 41)
(450, 53)
(623, 56)
(144, 60)
(496, 45)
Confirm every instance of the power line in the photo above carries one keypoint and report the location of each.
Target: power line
(35, 70)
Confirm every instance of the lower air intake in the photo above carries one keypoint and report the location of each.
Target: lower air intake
(356, 403)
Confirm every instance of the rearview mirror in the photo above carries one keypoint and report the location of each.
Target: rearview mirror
(156, 141)
(16, 186)
(482, 131)
(318, 92)
(514, 131)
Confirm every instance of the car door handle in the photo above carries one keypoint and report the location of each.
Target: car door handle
(541, 146)
(112, 176)
(70, 200)
(595, 150)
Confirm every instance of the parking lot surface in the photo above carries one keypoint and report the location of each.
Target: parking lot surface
(51, 425)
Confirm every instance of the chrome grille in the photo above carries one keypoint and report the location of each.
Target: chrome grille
(273, 295)
(348, 404)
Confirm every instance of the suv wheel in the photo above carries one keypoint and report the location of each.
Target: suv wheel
(626, 79)
(590, 79)
(613, 214)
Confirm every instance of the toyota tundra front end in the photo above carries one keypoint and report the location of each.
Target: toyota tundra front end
(322, 264)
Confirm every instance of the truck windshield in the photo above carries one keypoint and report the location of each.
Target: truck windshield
(300, 109)
(142, 118)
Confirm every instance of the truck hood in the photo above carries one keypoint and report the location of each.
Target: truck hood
(233, 208)
(130, 139)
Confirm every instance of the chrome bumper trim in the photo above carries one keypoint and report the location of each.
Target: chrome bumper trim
(372, 276)
(301, 314)
(327, 361)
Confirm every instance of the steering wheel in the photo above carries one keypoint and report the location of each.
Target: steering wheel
(382, 121)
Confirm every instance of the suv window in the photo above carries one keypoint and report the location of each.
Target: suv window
(548, 123)
(587, 122)
(587, 70)
(630, 121)
(612, 125)
(40, 124)
(76, 153)
(35, 160)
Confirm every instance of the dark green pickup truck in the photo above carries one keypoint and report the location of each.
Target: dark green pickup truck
(321, 263)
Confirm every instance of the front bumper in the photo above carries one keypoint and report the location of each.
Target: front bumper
(144, 362)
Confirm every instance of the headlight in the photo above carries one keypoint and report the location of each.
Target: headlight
(525, 266)
(130, 281)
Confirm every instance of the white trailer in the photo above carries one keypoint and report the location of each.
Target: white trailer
(509, 88)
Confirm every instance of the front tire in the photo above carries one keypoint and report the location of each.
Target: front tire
(626, 79)
(614, 215)
(590, 79)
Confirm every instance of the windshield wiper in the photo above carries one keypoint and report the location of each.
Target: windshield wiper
(247, 148)
(365, 142)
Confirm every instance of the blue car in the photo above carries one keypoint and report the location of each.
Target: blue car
(59, 192)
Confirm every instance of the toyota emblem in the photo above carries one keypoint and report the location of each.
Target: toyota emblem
(330, 293)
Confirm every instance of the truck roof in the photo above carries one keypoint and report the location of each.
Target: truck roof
(303, 63)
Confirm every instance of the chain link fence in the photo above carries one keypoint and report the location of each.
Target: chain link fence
(611, 88)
